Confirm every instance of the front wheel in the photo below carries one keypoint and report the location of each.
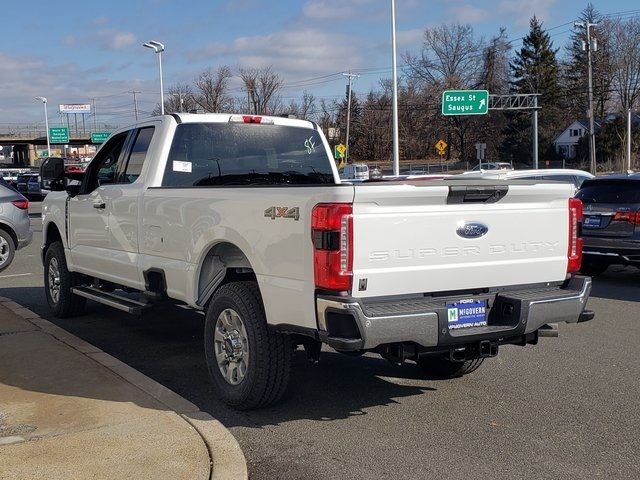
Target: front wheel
(58, 281)
(440, 367)
(7, 250)
(249, 364)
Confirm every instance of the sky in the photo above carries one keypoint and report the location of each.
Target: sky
(73, 51)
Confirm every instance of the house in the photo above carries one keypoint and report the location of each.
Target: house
(567, 142)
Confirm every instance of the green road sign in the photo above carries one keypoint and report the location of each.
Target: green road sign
(465, 102)
(339, 151)
(99, 137)
(58, 135)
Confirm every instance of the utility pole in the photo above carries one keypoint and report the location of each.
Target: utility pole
(181, 102)
(589, 46)
(534, 132)
(396, 147)
(95, 115)
(350, 76)
(629, 140)
(135, 103)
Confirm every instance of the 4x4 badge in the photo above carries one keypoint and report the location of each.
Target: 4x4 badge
(282, 212)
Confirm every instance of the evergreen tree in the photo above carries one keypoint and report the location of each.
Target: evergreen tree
(535, 69)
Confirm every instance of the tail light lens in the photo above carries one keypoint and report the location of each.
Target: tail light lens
(631, 217)
(332, 236)
(250, 119)
(21, 204)
(575, 242)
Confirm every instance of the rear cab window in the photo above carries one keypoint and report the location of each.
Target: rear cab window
(222, 154)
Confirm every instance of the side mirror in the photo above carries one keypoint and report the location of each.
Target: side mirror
(52, 173)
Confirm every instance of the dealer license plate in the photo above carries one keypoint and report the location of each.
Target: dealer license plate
(591, 222)
(466, 314)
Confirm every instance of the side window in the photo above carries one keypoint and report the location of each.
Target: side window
(103, 168)
(137, 156)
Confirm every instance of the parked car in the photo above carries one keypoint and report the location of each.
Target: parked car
(611, 224)
(245, 218)
(492, 166)
(355, 171)
(15, 227)
(574, 177)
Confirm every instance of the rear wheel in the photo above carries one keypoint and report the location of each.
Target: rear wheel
(249, 364)
(7, 250)
(441, 367)
(58, 281)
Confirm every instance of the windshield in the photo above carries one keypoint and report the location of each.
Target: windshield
(220, 154)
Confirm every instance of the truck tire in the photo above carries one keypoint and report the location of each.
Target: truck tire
(249, 364)
(7, 249)
(440, 367)
(58, 281)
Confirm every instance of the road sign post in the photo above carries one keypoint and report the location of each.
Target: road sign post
(99, 137)
(59, 135)
(480, 149)
(465, 102)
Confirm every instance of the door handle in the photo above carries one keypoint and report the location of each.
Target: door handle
(99, 206)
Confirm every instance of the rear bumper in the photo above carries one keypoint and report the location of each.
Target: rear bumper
(354, 324)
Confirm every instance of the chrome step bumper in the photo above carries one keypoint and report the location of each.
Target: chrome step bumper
(423, 320)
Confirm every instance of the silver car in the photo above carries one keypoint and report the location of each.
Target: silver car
(15, 228)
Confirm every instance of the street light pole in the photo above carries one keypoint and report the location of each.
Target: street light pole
(46, 123)
(396, 147)
(159, 48)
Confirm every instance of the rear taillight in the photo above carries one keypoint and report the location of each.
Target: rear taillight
(631, 217)
(332, 236)
(21, 204)
(575, 242)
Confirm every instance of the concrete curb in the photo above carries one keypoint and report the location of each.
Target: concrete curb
(227, 460)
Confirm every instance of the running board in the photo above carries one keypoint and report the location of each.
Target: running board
(121, 303)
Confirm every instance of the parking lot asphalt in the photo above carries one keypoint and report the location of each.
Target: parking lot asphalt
(564, 409)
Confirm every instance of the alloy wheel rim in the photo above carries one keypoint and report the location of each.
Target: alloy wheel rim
(4, 251)
(53, 276)
(231, 346)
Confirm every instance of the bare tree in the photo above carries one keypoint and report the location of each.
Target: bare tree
(624, 41)
(262, 86)
(450, 57)
(212, 89)
(179, 99)
(305, 108)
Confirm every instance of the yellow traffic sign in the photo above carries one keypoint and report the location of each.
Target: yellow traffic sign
(341, 149)
(441, 147)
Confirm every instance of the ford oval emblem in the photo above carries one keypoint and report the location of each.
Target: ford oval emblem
(472, 230)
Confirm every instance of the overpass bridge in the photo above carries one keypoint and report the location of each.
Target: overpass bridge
(29, 140)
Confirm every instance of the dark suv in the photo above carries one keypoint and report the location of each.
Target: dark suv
(611, 224)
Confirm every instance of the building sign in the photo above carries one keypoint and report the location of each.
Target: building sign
(75, 108)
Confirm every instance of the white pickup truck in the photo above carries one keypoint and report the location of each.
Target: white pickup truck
(245, 218)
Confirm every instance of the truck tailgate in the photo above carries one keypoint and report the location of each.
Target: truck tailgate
(427, 238)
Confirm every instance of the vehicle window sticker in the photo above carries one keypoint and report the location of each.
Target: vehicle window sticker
(182, 166)
(310, 145)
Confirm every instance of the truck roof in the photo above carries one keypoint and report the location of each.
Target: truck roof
(225, 117)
